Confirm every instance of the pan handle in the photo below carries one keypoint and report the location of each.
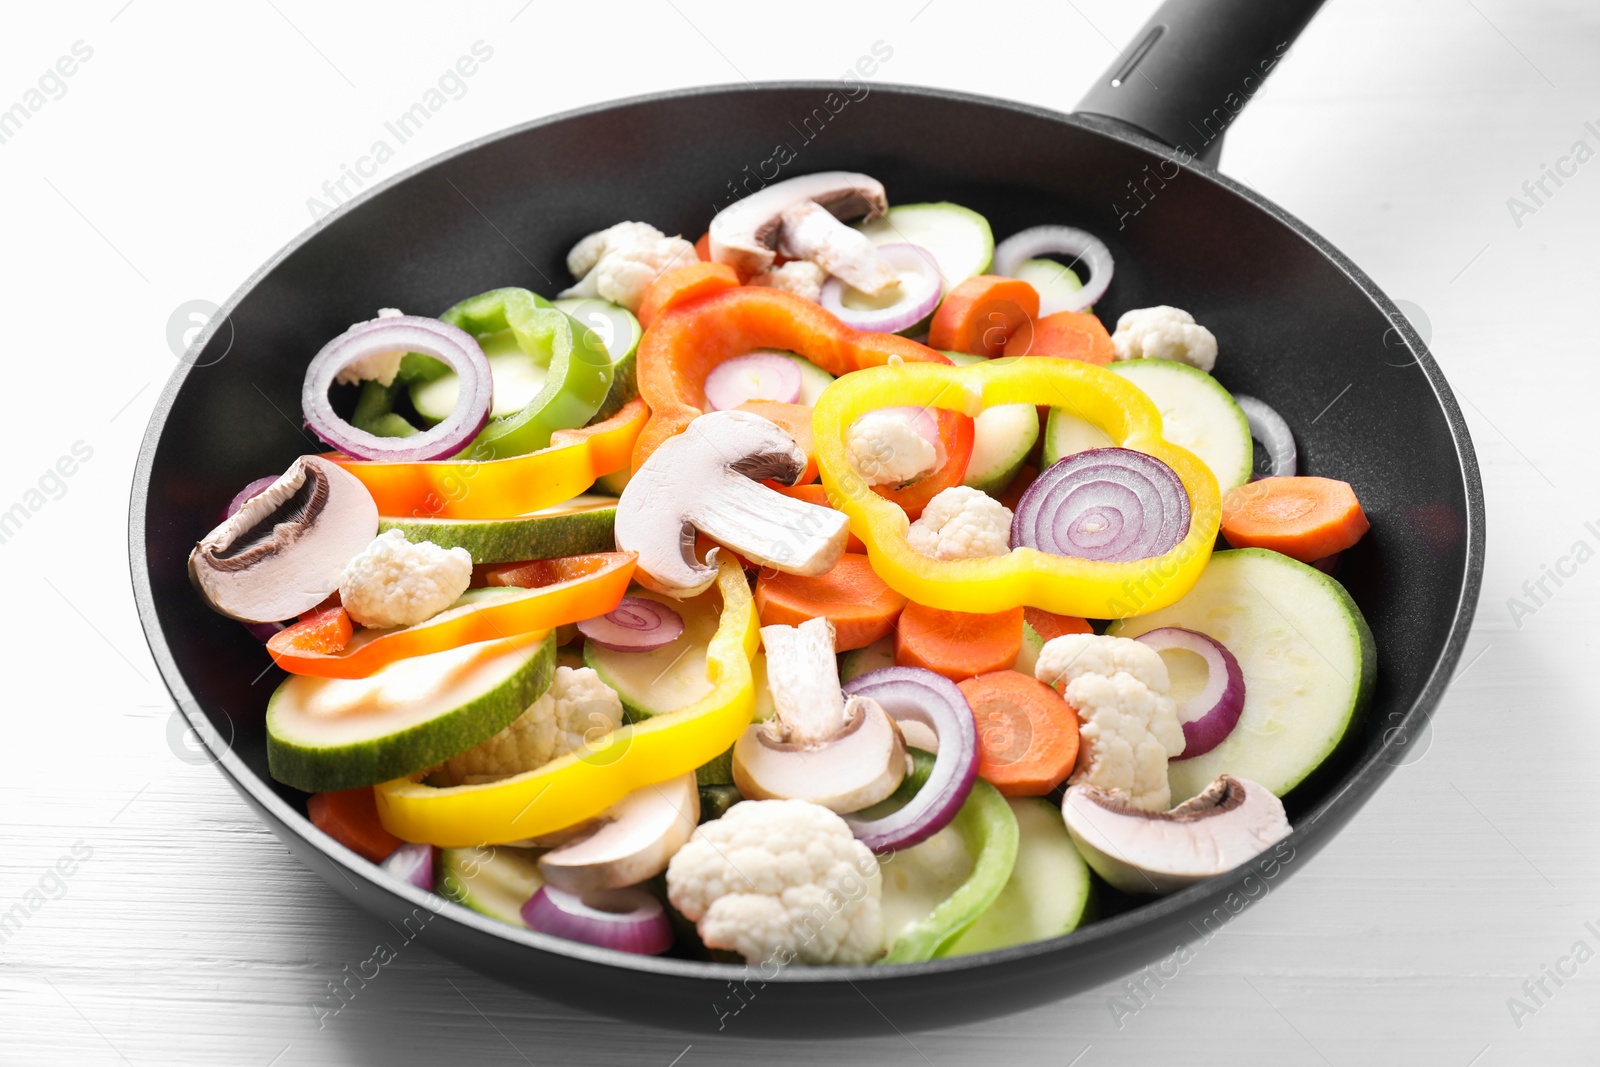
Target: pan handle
(1193, 67)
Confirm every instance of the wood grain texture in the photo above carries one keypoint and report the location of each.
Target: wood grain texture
(1398, 129)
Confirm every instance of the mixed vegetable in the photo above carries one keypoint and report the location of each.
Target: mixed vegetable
(817, 592)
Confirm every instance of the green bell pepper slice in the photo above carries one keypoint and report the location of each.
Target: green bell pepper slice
(989, 831)
(578, 369)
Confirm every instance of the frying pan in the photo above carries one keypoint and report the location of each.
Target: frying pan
(1300, 326)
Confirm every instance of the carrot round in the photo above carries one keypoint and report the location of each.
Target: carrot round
(980, 315)
(957, 644)
(702, 247)
(813, 493)
(862, 606)
(1304, 518)
(350, 817)
(795, 419)
(1047, 624)
(1027, 734)
(1065, 335)
(681, 285)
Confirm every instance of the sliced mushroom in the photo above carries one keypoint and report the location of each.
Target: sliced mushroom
(746, 234)
(1229, 823)
(634, 839)
(810, 232)
(842, 754)
(708, 479)
(284, 551)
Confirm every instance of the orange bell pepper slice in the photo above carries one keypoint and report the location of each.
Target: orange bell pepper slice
(499, 488)
(687, 340)
(567, 590)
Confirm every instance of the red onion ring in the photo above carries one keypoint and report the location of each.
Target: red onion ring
(755, 376)
(401, 333)
(931, 699)
(1268, 427)
(1106, 504)
(634, 625)
(920, 290)
(1210, 715)
(628, 920)
(1065, 241)
(412, 863)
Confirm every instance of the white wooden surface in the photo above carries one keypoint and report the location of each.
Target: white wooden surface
(181, 155)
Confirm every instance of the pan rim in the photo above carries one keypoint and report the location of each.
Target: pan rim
(1343, 800)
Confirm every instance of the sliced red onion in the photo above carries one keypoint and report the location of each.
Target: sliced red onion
(1327, 564)
(634, 625)
(920, 290)
(412, 863)
(1211, 714)
(1107, 504)
(255, 488)
(1268, 427)
(401, 333)
(1061, 241)
(757, 376)
(628, 920)
(933, 700)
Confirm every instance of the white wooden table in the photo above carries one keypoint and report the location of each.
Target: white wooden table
(183, 150)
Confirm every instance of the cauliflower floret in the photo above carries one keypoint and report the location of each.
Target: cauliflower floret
(619, 262)
(886, 449)
(800, 277)
(1164, 332)
(396, 583)
(575, 712)
(1065, 658)
(380, 367)
(962, 523)
(1130, 725)
(782, 880)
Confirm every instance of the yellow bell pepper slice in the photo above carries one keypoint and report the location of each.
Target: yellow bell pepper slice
(1023, 576)
(581, 785)
(500, 488)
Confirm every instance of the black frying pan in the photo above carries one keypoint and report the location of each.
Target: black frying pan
(1300, 327)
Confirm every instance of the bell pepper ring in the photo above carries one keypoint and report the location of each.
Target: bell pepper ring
(498, 488)
(582, 784)
(687, 340)
(577, 588)
(1023, 576)
(577, 368)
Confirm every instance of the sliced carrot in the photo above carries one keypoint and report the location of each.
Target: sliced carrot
(683, 285)
(814, 494)
(1304, 518)
(1065, 335)
(862, 606)
(1027, 734)
(326, 629)
(980, 314)
(1047, 624)
(796, 421)
(702, 247)
(957, 644)
(350, 817)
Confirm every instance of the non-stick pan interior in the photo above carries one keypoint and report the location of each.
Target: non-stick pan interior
(1295, 330)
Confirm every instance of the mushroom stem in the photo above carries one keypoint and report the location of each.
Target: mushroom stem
(809, 232)
(707, 478)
